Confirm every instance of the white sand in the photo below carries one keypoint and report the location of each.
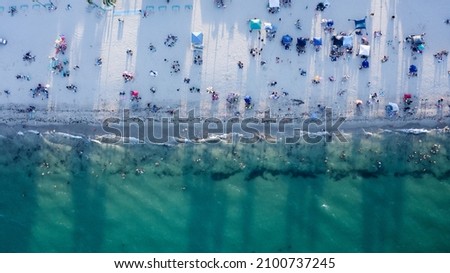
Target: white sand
(227, 40)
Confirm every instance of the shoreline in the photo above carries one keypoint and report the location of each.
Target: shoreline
(91, 128)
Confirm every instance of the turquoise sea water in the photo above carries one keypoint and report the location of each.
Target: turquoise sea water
(386, 193)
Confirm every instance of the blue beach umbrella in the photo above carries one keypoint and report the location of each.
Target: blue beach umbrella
(286, 40)
(197, 38)
(365, 64)
(413, 69)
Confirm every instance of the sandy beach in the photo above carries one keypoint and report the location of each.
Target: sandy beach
(180, 83)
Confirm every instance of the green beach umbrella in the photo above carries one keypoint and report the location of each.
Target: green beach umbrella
(255, 24)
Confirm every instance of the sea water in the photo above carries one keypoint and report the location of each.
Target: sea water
(380, 192)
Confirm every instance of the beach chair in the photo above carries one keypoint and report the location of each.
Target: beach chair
(150, 9)
(188, 7)
(162, 8)
(176, 8)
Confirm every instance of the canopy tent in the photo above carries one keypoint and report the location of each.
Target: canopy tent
(317, 41)
(359, 24)
(269, 27)
(301, 42)
(274, 3)
(286, 40)
(197, 38)
(338, 40)
(255, 24)
(417, 39)
(348, 41)
(364, 50)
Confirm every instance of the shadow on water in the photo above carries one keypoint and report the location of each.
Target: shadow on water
(208, 202)
(18, 197)
(302, 202)
(382, 198)
(88, 195)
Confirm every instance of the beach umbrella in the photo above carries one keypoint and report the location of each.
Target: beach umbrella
(365, 64)
(255, 24)
(413, 69)
(286, 40)
(421, 47)
(358, 102)
(135, 93)
(197, 38)
(248, 99)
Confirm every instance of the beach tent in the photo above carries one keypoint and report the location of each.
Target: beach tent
(255, 24)
(364, 50)
(197, 38)
(348, 41)
(274, 3)
(393, 107)
(286, 40)
(317, 41)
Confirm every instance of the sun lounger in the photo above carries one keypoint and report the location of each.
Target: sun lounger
(188, 7)
(176, 8)
(162, 8)
(2, 9)
(150, 9)
(36, 7)
(24, 7)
